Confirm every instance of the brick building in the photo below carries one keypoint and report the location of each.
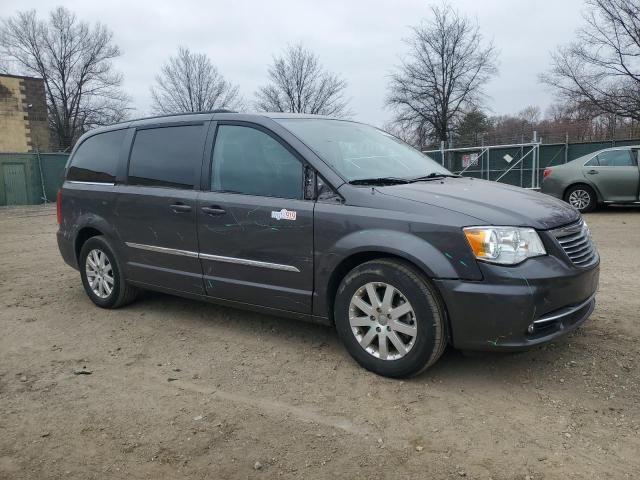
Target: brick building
(23, 115)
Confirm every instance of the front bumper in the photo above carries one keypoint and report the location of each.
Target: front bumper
(515, 308)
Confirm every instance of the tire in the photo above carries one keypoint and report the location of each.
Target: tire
(582, 197)
(120, 293)
(425, 318)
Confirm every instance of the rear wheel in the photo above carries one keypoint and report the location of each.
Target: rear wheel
(102, 277)
(389, 319)
(582, 197)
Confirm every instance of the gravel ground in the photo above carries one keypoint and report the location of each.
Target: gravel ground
(171, 388)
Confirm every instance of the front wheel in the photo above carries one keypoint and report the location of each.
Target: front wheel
(389, 319)
(582, 197)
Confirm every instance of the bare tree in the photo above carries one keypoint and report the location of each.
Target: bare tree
(416, 135)
(299, 84)
(602, 67)
(74, 60)
(189, 82)
(443, 76)
(4, 65)
(530, 114)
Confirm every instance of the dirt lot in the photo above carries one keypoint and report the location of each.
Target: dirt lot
(184, 389)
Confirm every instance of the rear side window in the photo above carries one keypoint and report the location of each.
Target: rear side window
(248, 161)
(167, 156)
(616, 158)
(96, 159)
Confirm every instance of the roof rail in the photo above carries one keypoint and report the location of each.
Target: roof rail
(218, 110)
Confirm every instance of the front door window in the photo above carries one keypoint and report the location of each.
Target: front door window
(250, 162)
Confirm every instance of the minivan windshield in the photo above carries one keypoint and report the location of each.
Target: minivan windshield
(360, 152)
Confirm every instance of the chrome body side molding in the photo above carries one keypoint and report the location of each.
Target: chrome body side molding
(214, 258)
(170, 251)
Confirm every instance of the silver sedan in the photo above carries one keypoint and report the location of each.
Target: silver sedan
(606, 176)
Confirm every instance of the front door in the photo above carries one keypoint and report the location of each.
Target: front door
(255, 228)
(155, 211)
(615, 173)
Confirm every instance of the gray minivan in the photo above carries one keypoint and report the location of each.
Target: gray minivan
(325, 220)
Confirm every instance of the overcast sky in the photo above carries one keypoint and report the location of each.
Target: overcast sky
(362, 40)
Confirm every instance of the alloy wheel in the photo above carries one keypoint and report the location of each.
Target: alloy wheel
(99, 273)
(579, 199)
(383, 321)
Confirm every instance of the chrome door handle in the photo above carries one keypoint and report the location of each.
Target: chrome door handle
(213, 211)
(593, 172)
(180, 208)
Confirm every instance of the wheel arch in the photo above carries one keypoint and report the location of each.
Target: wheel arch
(84, 234)
(586, 183)
(91, 225)
(358, 258)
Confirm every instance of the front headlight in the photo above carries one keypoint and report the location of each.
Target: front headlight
(504, 245)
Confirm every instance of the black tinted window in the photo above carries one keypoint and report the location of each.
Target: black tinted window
(96, 159)
(615, 158)
(246, 160)
(166, 157)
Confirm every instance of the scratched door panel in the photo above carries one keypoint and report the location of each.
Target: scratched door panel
(145, 217)
(267, 249)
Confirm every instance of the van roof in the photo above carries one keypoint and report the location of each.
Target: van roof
(197, 117)
(210, 115)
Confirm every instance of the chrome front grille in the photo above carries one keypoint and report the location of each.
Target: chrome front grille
(575, 240)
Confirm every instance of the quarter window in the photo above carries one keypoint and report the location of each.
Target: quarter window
(96, 159)
(615, 158)
(166, 156)
(248, 161)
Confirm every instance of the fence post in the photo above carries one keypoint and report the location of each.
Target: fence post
(566, 147)
(442, 152)
(44, 192)
(488, 164)
(521, 167)
(533, 164)
(538, 163)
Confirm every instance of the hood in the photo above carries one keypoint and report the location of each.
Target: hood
(492, 202)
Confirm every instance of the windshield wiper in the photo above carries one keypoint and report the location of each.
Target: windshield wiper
(434, 176)
(379, 181)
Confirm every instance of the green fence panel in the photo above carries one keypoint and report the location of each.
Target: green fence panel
(435, 156)
(10, 164)
(52, 169)
(553, 154)
(507, 162)
(40, 175)
(577, 150)
(626, 143)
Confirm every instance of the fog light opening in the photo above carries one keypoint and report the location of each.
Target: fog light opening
(531, 328)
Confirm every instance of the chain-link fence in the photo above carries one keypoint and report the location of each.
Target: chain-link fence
(517, 164)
